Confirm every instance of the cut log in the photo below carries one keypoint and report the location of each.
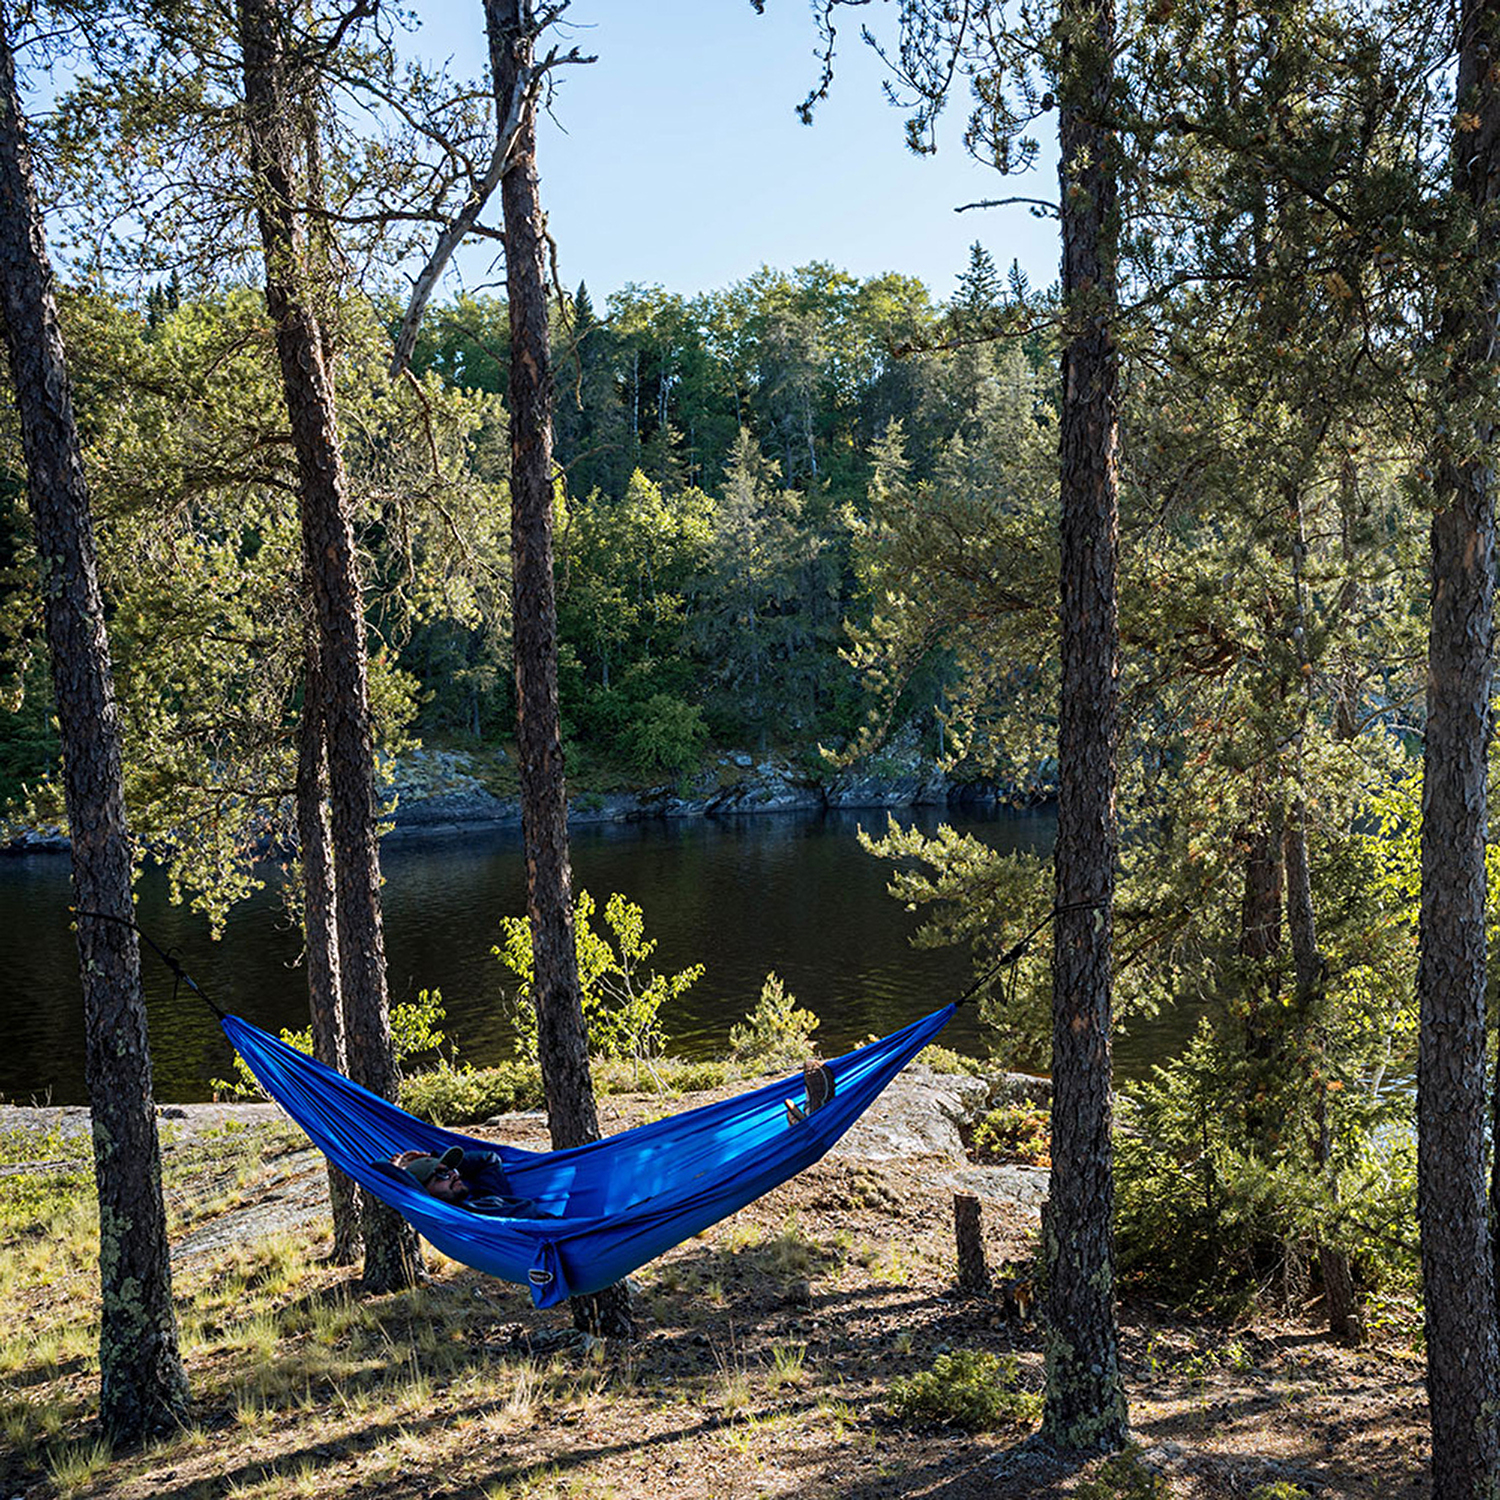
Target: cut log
(973, 1271)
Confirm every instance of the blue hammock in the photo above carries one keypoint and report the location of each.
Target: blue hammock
(618, 1202)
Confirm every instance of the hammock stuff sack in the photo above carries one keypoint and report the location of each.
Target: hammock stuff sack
(617, 1202)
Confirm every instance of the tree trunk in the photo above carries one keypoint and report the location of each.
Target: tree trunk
(1339, 1301)
(1463, 1366)
(319, 927)
(142, 1385)
(968, 1238)
(1085, 1399)
(1260, 944)
(561, 1036)
(392, 1255)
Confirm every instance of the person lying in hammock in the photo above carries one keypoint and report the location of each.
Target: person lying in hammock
(475, 1180)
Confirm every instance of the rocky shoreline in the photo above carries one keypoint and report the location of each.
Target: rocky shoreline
(739, 787)
(446, 791)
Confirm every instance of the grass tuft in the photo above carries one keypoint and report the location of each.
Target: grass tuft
(77, 1466)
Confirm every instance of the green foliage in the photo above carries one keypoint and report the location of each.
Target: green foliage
(974, 895)
(621, 1002)
(1199, 1207)
(944, 1060)
(777, 1033)
(194, 490)
(668, 736)
(29, 750)
(1014, 1132)
(1124, 1476)
(668, 1075)
(768, 605)
(461, 1095)
(1281, 1489)
(969, 1388)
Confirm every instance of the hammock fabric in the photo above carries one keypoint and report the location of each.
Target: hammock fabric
(618, 1202)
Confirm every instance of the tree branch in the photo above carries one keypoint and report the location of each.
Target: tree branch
(509, 115)
(1035, 203)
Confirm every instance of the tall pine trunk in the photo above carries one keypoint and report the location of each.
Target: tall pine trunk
(1463, 1365)
(1085, 1398)
(392, 1254)
(1339, 1302)
(1260, 947)
(561, 1036)
(142, 1385)
(319, 925)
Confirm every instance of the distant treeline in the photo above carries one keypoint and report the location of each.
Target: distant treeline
(717, 454)
(714, 522)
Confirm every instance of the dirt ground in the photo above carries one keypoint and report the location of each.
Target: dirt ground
(764, 1367)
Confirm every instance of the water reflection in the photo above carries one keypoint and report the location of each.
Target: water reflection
(743, 896)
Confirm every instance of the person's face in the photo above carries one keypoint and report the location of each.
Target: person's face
(446, 1184)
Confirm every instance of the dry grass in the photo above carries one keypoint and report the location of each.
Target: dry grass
(764, 1368)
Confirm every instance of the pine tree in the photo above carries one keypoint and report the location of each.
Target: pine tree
(143, 1388)
(562, 1037)
(392, 1252)
(1458, 1256)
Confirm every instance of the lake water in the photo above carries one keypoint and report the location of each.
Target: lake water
(742, 896)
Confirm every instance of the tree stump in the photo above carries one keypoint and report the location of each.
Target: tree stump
(973, 1271)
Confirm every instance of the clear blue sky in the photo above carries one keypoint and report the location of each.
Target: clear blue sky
(679, 160)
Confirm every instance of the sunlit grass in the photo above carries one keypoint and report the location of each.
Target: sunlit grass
(753, 1434)
(742, 1234)
(839, 1415)
(284, 1356)
(259, 1336)
(787, 1366)
(77, 1466)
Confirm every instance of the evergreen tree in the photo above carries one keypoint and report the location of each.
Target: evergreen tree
(754, 622)
(143, 1388)
(511, 26)
(1458, 1253)
(392, 1252)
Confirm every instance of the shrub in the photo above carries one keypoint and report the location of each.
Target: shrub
(1015, 1132)
(944, 1060)
(450, 1095)
(696, 1077)
(968, 1389)
(1125, 1476)
(667, 736)
(668, 1075)
(776, 1034)
(620, 1005)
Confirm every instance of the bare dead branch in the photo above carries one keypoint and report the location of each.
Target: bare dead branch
(510, 114)
(1041, 203)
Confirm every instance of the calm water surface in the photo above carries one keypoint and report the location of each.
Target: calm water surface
(742, 896)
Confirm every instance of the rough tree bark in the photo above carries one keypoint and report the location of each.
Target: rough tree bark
(561, 1036)
(392, 1254)
(1085, 1398)
(319, 925)
(142, 1385)
(1339, 1302)
(1260, 946)
(1463, 1363)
